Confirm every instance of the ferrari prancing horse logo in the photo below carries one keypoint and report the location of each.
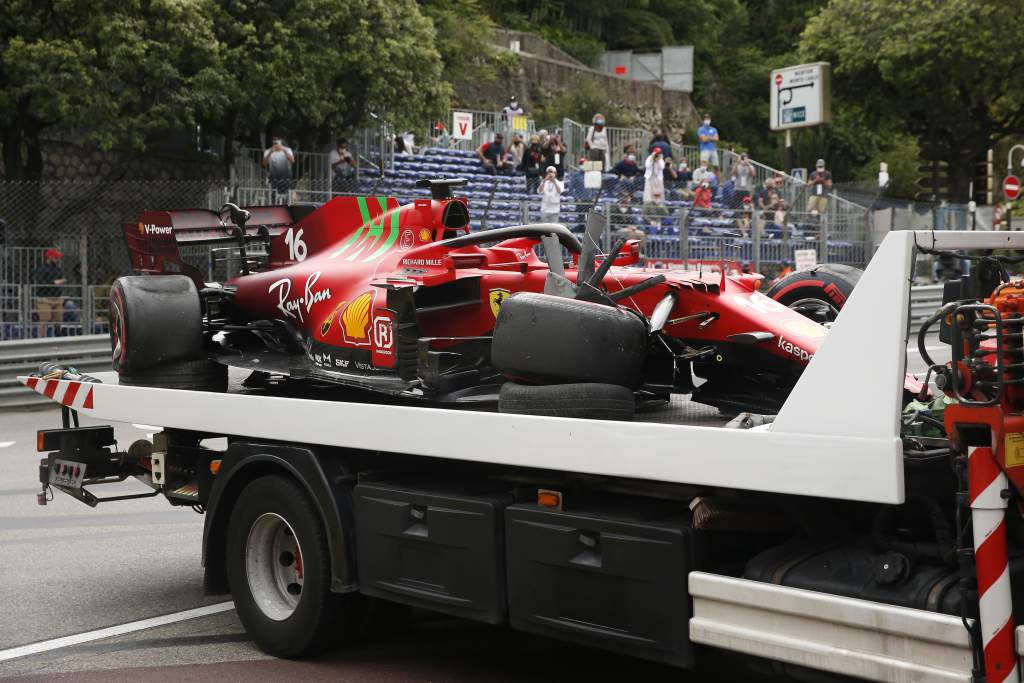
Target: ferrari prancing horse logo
(496, 296)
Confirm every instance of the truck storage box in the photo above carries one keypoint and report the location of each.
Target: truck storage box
(616, 582)
(432, 547)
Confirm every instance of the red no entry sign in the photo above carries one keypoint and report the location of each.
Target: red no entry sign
(778, 79)
(1011, 186)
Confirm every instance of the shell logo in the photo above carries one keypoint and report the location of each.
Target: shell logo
(142, 228)
(425, 234)
(355, 320)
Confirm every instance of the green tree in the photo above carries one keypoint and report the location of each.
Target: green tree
(310, 67)
(109, 71)
(949, 72)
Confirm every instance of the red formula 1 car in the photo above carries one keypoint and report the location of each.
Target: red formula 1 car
(405, 301)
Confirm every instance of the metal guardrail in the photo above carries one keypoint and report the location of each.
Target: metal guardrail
(87, 353)
(924, 301)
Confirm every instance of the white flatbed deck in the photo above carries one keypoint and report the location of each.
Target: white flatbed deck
(837, 436)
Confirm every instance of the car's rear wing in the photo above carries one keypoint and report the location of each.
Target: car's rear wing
(154, 238)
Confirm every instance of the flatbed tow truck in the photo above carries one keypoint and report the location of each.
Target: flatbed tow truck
(828, 541)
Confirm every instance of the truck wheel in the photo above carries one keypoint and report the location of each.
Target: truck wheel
(590, 401)
(818, 293)
(195, 375)
(550, 339)
(154, 319)
(279, 571)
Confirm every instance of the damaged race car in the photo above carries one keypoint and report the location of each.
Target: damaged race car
(406, 302)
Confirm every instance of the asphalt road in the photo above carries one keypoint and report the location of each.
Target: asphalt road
(66, 569)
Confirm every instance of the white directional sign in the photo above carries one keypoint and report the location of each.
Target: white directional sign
(800, 96)
(462, 125)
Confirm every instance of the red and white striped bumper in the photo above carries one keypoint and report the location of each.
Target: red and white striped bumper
(77, 395)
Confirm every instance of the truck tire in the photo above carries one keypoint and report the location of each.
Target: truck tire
(194, 375)
(819, 292)
(589, 401)
(550, 339)
(154, 320)
(279, 571)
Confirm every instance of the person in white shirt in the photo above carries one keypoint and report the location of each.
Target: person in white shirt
(596, 141)
(654, 178)
(551, 189)
(278, 160)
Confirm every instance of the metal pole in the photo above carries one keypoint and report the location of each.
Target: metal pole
(789, 151)
(684, 236)
(823, 239)
(83, 251)
(995, 604)
(755, 228)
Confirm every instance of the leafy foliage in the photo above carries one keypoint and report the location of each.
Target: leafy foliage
(947, 71)
(580, 104)
(116, 70)
(127, 70)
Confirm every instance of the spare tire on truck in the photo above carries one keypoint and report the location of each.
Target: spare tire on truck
(156, 334)
(588, 401)
(819, 292)
(545, 339)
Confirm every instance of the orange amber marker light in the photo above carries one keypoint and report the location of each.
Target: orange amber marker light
(214, 467)
(549, 499)
(40, 441)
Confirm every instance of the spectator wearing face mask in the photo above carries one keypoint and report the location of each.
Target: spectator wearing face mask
(653, 186)
(707, 135)
(493, 156)
(517, 150)
(551, 189)
(684, 179)
(819, 186)
(554, 154)
(532, 163)
(511, 111)
(627, 171)
(702, 195)
(703, 173)
(624, 222)
(743, 179)
(596, 141)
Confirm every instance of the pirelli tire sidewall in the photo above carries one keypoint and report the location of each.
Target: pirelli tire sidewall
(544, 339)
(832, 283)
(154, 320)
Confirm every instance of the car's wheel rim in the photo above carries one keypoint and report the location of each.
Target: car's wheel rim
(273, 566)
(116, 332)
(816, 309)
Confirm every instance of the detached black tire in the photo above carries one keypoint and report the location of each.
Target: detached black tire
(194, 375)
(279, 571)
(154, 320)
(549, 339)
(819, 292)
(589, 401)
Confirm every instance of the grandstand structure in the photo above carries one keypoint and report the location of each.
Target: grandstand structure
(672, 233)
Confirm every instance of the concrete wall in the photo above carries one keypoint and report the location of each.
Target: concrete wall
(68, 161)
(544, 72)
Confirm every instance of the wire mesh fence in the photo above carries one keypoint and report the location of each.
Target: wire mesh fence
(83, 222)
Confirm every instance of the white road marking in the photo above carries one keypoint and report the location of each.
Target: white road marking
(146, 428)
(110, 632)
(6, 444)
